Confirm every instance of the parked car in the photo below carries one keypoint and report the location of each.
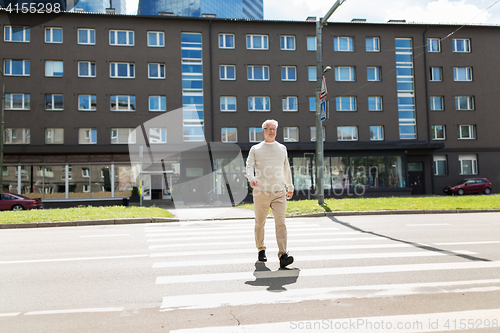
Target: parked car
(469, 185)
(10, 201)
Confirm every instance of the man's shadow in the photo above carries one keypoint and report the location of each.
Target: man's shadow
(274, 280)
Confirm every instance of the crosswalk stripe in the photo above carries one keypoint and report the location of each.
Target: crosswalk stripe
(290, 242)
(228, 225)
(250, 236)
(302, 258)
(295, 249)
(324, 271)
(206, 301)
(224, 231)
(413, 323)
(468, 243)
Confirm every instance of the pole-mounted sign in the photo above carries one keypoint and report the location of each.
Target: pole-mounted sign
(323, 92)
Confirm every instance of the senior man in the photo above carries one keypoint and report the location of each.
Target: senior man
(268, 172)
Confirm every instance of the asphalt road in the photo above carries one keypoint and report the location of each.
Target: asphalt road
(397, 273)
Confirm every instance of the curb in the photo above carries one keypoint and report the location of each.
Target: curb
(164, 219)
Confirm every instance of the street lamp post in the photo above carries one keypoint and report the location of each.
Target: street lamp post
(320, 193)
(2, 100)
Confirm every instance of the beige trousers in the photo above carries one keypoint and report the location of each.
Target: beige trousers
(263, 200)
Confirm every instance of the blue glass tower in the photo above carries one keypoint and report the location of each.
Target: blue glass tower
(99, 6)
(246, 9)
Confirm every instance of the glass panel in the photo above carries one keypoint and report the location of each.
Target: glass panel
(339, 172)
(395, 171)
(101, 181)
(376, 172)
(302, 169)
(79, 181)
(359, 171)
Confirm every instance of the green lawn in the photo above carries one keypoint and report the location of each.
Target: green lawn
(82, 214)
(393, 203)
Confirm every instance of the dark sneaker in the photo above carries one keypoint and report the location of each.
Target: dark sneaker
(262, 255)
(285, 260)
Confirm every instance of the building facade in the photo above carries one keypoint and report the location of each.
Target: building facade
(411, 107)
(239, 9)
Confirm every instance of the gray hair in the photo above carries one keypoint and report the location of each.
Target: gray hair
(272, 121)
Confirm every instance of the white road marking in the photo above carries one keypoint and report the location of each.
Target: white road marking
(325, 271)
(66, 311)
(252, 250)
(304, 258)
(72, 259)
(426, 224)
(422, 322)
(206, 301)
(468, 243)
(116, 235)
(13, 314)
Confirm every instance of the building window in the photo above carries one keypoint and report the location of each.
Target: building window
(433, 45)
(86, 174)
(86, 69)
(373, 73)
(440, 165)
(121, 38)
(16, 67)
(54, 102)
(228, 103)
(466, 132)
(344, 44)
(436, 103)
(86, 36)
(464, 102)
(87, 136)
(258, 73)
(461, 45)
(17, 102)
(54, 68)
(288, 73)
(257, 42)
(122, 70)
(462, 73)
(372, 44)
(344, 74)
(17, 136)
(313, 133)
(259, 103)
(311, 43)
(158, 103)
(87, 102)
(438, 132)
(53, 35)
(435, 74)
(156, 71)
(291, 134)
(288, 43)
(345, 103)
(227, 72)
(290, 103)
(122, 135)
(226, 41)
(347, 133)
(16, 34)
(256, 134)
(312, 103)
(312, 74)
(229, 134)
(122, 103)
(156, 39)
(468, 164)
(54, 136)
(157, 135)
(376, 133)
(374, 103)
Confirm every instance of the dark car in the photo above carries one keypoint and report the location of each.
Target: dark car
(469, 185)
(10, 201)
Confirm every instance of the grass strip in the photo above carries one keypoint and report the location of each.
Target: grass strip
(82, 214)
(392, 203)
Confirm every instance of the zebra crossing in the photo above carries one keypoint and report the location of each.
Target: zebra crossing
(213, 264)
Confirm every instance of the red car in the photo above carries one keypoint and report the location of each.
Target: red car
(469, 185)
(10, 201)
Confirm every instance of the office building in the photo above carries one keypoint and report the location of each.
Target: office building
(412, 108)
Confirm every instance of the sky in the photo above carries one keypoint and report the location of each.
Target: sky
(420, 11)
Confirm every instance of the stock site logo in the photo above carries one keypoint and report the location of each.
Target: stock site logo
(34, 13)
(197, 173)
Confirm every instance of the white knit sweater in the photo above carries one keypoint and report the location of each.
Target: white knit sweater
(268, 164)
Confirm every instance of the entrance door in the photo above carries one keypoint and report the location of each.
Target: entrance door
(416, 177)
